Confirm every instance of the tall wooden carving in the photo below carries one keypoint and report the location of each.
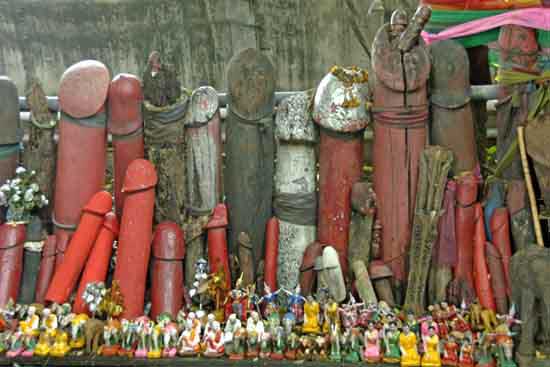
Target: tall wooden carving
(452, 120)
(39, 152)
(295, 197)
(165, 108)
(340, 111)
(249, 149)
(81, 152)
(401, 67)
(203, 166)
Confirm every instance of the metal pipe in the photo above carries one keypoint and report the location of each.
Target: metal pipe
(478, 92)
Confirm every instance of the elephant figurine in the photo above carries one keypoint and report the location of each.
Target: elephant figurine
(531, 294)
(93, 330)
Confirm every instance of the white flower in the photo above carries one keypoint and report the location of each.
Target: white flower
(44, 200)
(29, 195)
(15, 198)
(34, 187)
(5, 188)
(15, 182)
(20, 170)
(33, 172)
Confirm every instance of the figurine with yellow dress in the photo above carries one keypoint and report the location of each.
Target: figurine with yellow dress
(431, 357)
(408, 348)
(311, 316)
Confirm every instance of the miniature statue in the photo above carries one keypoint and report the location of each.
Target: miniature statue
(142, 330)
(60, 347)
(320, 350)
(4, 341)
(16, 345)
(331, 314)
(232, 325)
(279, 344)
(237, 303)
(407, 345)
(292, 343)
(289, 322)
(189, 340)
(42, 348)
(335, 342)
(391, 344)
(371, 353)
(31, 324)
(29, 345)
(78, 339)
(169, 331)
(311, 316)
(254, 331)
(504, 346)
(431, 357)
(466, 358)
(265, 345)
(111, 337)
(450, 352)
(155, 350)
(353, 345)
(296, 303)
(350, 314)
(273, 317)
(238, 344)
(307, 345)
(49, 323)
(214, 343)
(127, 338)
(425, 326)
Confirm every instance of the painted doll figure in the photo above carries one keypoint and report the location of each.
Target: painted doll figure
(254, 331)
(127, 338)
(353, 345)
(409, 350)
(311, 316)
(466, 358)
(292, 343)
(450, 352)
(426, 325)
(296, 303)
(232, 325)
(189, 340)
(431, 357)
(143, 331)
(279, 344)
(265, 345)
(215, 343)
(331, 315)
(371, 352)
(391, 344)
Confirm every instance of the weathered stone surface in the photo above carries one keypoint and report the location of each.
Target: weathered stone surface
(303, 38)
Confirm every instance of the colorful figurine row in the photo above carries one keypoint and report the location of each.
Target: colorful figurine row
(315, 329)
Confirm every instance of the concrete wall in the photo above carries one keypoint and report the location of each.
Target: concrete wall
(304, 38)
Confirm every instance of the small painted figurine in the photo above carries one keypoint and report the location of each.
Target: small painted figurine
(335, 344)
(238, 344)
(273, 317)
(431, 357)
(214, 343)
(16, 345)
(60, 347)
(189, 340)
(289, 322)
(49, 323)
(409, 350)
(425, 326)
(127, 338)
(296, 303)
(412, 322)
(30, 326)
(111, 337)
(265, 345)
(42, 348)
(143, 331)
(350, 314)
(232, 325)
(279, 344)
(269, 297)
(371, 353)
(311, 316)
(293, 343)
(450, 352)
(169, 336)
(391, 344)
(78, 339)
(352, 345)
(208, 326)
(29, 345)
(254, 331)
(466, 358)
(307, 346)
(331, 315)
(320, 351)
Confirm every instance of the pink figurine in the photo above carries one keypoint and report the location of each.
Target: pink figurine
(371, 353)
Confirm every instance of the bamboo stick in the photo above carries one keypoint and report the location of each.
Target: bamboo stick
(529, 185)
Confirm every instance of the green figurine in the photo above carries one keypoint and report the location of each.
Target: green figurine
(353, 345)
(335, 354)
(279, 344)
(392, 354)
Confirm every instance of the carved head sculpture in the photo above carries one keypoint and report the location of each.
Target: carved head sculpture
(398, 22)
(251, 84)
